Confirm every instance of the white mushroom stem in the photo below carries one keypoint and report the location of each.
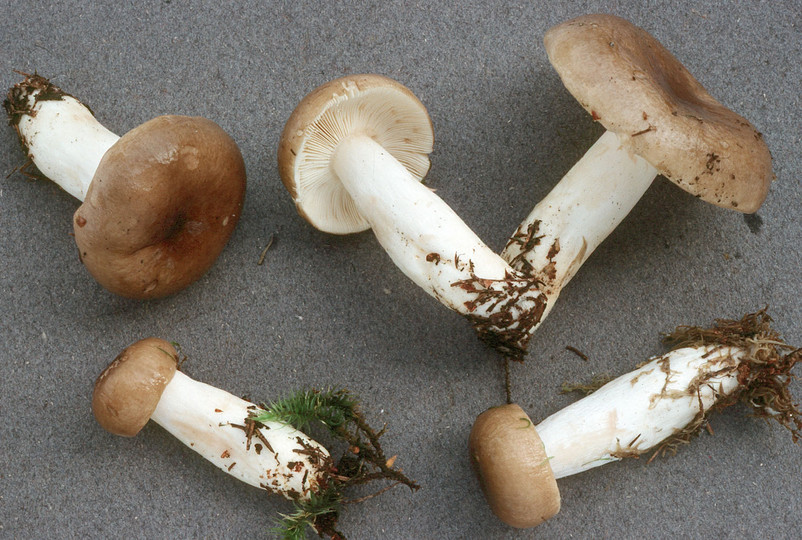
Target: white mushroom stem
(579, 213)
(65, 141)
(639, 410)
(425, 238)
(211, 422)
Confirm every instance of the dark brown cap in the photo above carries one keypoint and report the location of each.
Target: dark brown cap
(129, 389)
(370, 105)
(633, 86)
(513, 467)
(161, 206)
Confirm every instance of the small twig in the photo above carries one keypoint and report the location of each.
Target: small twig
(366, 497)
(262, 438)
(25, 170)
(251, 426)
(264, 251)
(577, 352)
(17, 168)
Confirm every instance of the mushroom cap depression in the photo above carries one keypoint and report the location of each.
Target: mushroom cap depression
(129, 389)
(631, 84)
(370, 105)
(161, 206)
(513, 469)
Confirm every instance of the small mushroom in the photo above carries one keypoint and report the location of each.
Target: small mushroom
(652, 409)
(352, 156)
(143, 384)
(659, 120)
(159, 204)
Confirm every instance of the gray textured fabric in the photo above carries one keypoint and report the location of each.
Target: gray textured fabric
(334, 311)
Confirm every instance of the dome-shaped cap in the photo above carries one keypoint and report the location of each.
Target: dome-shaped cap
(370, 105)
(633, 86)
(129, 389)
(161, 206)
(513, 467)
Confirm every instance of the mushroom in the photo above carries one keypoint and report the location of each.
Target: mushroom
(660, 120)
(352, 156)
(159, 204)
(653, 408)
(143, 384)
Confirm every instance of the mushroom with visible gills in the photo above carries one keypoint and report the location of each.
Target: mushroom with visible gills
(352, 156)
(159, 203)
(659, 120)
(653, 408)
(255, 444)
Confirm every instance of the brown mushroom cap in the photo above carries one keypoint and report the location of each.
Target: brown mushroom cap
(631, 84)
(371, 105)
(161, 206)
(128, 390)
(513, 468)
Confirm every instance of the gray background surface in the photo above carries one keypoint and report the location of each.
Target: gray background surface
(334, 311)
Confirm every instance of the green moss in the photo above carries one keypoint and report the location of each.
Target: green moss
(363, 461)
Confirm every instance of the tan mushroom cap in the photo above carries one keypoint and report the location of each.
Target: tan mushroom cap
(161, 206)
(631, 84)
(128, 390)
(371, 105)
(513, 468)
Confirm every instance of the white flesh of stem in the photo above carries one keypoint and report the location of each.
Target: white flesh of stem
(201, 416)
(413, 224)
(65, 142)
(639, 410)
(582, 210)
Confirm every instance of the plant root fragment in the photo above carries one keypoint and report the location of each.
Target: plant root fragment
(763, 375)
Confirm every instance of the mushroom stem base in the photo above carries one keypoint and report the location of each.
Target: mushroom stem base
(429, 242)
(61, 135)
